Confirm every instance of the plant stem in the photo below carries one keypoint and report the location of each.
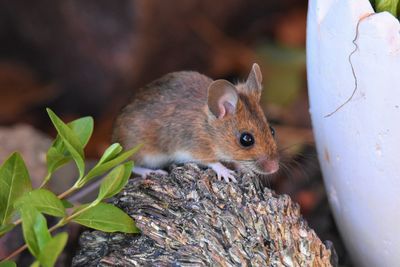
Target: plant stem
(60, 196)
(67, 193)
(45, 180)
(73, 215)
(15, 253)
(22, 248)
(61, 223)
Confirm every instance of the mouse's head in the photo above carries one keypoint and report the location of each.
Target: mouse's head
(241, 132)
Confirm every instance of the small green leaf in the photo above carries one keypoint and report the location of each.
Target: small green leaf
(34, 228)
(66, 203)
(110, 153)
(106, 217)
(71, 141)
(6, 228)
(115, 181)
(8, 264)
(106, 166)
(83, 128)
(55, 159)
(58, 155)
(52, 250)
(35, 264)
(44, 201)
(387, 5)
(14, 182)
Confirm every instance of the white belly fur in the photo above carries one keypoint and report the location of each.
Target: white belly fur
(160, 160)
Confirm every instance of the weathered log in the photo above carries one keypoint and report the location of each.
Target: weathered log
(191, 219)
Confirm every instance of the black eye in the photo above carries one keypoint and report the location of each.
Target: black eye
(272, 131)
(246, 139)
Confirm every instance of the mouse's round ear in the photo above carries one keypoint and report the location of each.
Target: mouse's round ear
(222, 98)
(254, 79)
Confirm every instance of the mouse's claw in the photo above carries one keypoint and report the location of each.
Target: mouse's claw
(223, 172)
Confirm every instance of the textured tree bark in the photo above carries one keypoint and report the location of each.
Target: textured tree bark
(191, 219)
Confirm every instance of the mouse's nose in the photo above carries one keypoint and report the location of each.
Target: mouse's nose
(268, 166)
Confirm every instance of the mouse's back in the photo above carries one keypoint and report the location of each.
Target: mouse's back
(170, 106)
(173, 89)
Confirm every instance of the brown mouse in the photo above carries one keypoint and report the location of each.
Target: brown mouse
(187, 117)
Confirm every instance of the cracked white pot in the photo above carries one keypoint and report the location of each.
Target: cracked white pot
(353, 64)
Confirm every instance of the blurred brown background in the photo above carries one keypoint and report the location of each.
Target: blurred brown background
(87, 57)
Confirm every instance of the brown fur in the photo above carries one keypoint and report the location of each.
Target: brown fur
(171, 114)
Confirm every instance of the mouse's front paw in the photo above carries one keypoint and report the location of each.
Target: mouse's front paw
(223, 172)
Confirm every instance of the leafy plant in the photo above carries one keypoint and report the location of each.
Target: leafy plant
(391, 6)
(19, 199)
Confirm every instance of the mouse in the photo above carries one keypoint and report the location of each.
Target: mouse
(186, 116)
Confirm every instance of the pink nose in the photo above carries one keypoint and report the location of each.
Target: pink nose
(269, 165)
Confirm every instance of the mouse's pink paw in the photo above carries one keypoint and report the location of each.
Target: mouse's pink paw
(144, 172)
(223, 172)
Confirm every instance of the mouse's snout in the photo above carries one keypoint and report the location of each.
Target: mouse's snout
(268, 166)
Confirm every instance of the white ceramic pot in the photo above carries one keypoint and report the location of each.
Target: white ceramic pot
(353, 66)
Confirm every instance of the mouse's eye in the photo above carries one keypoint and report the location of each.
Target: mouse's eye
(246, 139)
(272, 131)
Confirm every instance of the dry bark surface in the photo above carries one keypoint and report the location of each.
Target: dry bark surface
(191, 219)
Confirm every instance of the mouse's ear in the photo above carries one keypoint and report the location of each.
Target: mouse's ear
(222, 98)
(254, 80)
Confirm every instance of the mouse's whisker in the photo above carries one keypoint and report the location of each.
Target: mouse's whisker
(284, 170)
(283, 149)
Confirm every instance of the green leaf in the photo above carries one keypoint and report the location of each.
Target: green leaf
(8, 264)
(71, 141)
(55, 159)
(106, 166)
(34, 228)
(110, 153)
(387, 5)
(107, 218)
(35, 264)
(83, 128)
(44, 201)
(49, 254)
(6, 228)
(115, 181)
(14, 182)
(58, 155)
